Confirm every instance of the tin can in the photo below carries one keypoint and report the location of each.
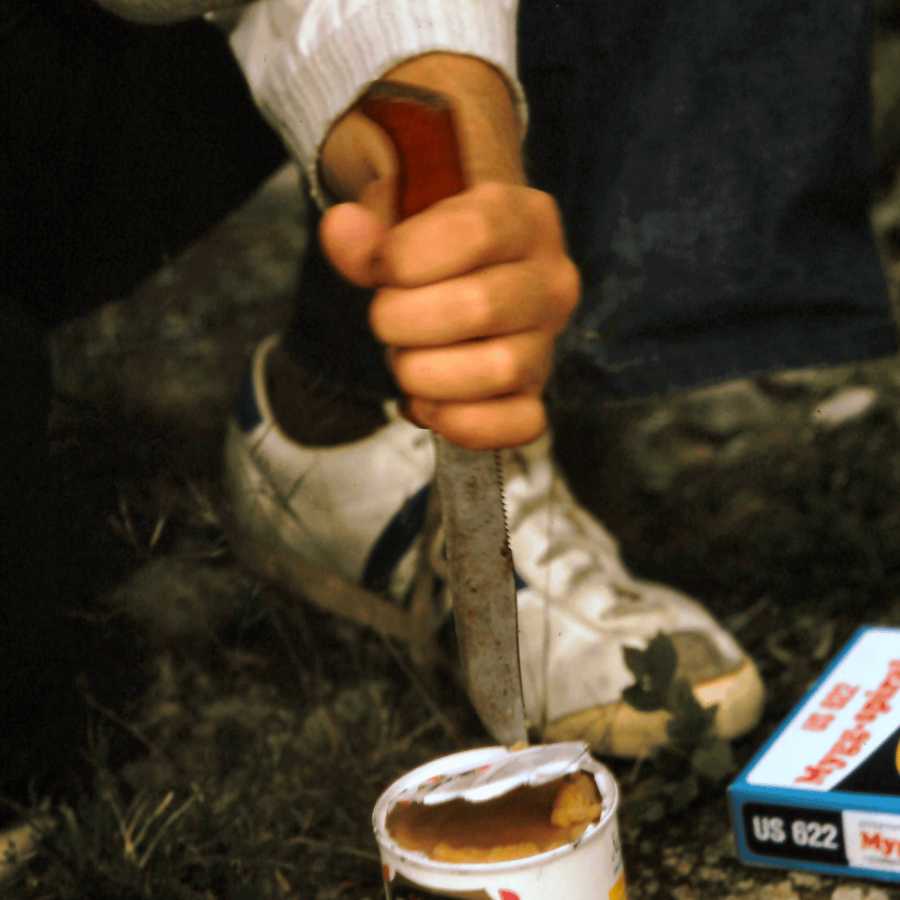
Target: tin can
(589, 868)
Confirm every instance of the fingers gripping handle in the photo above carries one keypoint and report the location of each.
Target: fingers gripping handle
(421, 126)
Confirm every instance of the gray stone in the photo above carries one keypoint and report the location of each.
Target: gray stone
(723, 411)
(853, 892)
(844, 406)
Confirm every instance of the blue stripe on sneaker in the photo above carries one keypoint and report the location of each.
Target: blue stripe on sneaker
(246, 412)
(395, 540)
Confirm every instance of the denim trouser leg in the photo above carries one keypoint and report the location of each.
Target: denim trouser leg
(713, 166)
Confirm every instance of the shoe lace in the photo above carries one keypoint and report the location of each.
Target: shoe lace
(567, 535)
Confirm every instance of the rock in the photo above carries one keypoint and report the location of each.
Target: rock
(711, 873)
(706, 426)
(806, 880)
(727, 409)
(848, 892)
(174, 598)
(808, 379)
(844, 406)
(177, 347)
(649, 446)
(783, 890)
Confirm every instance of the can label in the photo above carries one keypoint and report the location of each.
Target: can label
(401, 889)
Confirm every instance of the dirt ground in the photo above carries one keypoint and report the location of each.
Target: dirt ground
(250, 734)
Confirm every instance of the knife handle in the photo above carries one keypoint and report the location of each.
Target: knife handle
(422, 127)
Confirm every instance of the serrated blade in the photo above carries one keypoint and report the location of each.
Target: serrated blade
(483, 586)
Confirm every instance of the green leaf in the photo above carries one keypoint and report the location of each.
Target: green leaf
(647, 809)
(691, 723)
(653, 669)
(643, 701)
(713, 760)
(680, 699)
(661, 660)
(636, 661)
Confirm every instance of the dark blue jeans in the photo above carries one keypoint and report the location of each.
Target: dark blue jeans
(713, 165)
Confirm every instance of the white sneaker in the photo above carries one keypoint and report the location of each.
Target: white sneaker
(357, 510)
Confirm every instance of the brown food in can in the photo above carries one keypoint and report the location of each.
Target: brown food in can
(525, 822)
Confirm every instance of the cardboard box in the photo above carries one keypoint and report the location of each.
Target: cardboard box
(824, 792)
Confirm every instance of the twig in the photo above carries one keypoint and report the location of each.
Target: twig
(325, 590)
(336, 848)
(741, 620)
(165, 827)
(422, 619)
(419, 688)
(295, 660)
(126, 524)
(163, 806)
(402, 744)
(295, 614)
(109, 714)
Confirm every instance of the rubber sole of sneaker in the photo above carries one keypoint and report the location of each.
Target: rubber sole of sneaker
(620, 730)
(613, 730)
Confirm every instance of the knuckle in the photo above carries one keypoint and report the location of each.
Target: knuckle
(492, 206)
(472, 431)
(534, 421)
(404, 367)
(477, 226)
(492, 195)
(546, 206)
(377, 318)
(507, 368)
(512, 424)
(546, 211)
(480, 309)
(466, 424)
(568, 287)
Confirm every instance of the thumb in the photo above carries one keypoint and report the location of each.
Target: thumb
(351, 235)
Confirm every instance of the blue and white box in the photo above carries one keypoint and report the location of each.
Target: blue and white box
(824, 792)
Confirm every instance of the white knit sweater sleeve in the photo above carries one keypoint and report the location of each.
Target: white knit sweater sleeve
(307, 61)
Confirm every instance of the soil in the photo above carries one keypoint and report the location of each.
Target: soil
(247, 758)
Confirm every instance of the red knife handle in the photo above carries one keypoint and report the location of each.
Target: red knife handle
(422, 127)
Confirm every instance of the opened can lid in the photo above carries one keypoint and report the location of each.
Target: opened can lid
(532, 766)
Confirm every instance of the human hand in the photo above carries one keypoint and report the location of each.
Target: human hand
(472, 293)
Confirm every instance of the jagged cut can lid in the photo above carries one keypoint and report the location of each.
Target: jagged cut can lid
(531, 766)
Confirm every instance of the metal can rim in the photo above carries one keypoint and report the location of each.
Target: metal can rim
(603, 778)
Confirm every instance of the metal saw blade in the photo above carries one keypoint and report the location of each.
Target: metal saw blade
(482, 584)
